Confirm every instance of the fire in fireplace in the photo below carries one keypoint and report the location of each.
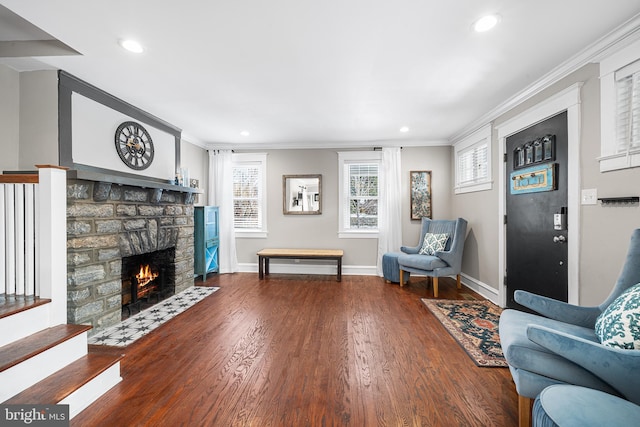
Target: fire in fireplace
(147, 279)
(145, 282)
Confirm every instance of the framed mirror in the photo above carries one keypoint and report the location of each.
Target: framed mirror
(302, 194)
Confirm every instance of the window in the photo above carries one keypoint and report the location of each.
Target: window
(249, 195)
(473, 162)
(628, 108)
(359, 184)
(620, 112)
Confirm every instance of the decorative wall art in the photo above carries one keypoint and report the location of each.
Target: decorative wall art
(534, 179)
(420, 194)
(302, 194)
(541, 150)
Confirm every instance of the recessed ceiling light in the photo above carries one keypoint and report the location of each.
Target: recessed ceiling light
(486, 23)
(245, 133)
(132, 46)
(404, 129)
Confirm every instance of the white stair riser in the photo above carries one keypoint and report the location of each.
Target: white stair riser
(24, 375)
(23, 324)
(90, 392)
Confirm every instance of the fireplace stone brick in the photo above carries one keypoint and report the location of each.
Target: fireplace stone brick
(108, 221)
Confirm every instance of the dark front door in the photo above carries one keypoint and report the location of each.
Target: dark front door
(536, 205)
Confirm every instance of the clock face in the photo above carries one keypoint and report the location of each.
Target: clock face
(134, 145)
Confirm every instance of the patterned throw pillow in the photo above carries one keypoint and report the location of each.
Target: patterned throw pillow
(433, 243)
(619, 324)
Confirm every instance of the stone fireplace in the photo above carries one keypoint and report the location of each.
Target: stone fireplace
(109, 222)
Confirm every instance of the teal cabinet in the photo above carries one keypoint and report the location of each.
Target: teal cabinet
(206, 240)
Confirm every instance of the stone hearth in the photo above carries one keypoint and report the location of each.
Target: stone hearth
(106, 222)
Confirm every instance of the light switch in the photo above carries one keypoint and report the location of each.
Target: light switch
(590, 196)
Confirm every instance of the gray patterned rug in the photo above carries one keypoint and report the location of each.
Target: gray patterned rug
(140, 324)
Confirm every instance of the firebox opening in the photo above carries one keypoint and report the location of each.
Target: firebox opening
(147, 279)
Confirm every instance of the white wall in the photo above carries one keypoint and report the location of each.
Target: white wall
(38, 119)
(93, 132)
(9, 118)
(196, 159)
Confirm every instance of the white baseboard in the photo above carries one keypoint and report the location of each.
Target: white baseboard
(295, 268)
(357, 270)
(482, 288)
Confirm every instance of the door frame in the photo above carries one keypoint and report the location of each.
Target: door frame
(567, 100)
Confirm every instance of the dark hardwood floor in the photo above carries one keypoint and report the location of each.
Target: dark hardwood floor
(305, 351)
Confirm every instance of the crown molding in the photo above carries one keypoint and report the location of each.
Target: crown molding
(312, 145)
(620, 37)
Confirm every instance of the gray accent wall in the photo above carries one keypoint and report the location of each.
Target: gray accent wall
(321, 231)
(604, 231)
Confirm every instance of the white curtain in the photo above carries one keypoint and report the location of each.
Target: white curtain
(221, 194)
(390, 207)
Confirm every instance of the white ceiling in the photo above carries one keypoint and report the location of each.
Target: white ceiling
(314, 73)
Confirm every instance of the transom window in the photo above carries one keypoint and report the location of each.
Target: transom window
(620, 109)
(628, 108)
(473, 162)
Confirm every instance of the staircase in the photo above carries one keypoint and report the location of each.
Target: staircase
(43, 360)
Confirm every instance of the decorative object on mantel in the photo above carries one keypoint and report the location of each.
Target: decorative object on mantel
(420, 194)
(119, 179)
(195, 183)
(624, 201)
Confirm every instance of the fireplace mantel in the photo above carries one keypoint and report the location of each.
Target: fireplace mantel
(128, 180)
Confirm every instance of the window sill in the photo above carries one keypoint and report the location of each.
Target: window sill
(619, 161)
(483, 186)
(358, 234)
(251, 234)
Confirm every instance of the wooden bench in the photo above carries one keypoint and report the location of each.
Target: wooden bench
(266, 254)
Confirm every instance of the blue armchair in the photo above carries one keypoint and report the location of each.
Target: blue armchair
(566, 405)
(445, 262)
(563, 347)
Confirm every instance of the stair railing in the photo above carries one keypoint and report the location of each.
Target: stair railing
(33, 237)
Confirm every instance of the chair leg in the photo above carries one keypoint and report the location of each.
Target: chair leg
(435, 287)
(524, 411)
(401, 278)
(458, 284)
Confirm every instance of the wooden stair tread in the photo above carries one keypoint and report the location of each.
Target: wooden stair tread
(21, 350)
(62, 383)
(11, 305)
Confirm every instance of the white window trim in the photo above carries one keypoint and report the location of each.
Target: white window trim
(346, 157)
(609, 158)
(261, 159)
(476, 139)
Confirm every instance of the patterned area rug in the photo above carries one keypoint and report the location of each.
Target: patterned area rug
(140, 324)
(474, 324)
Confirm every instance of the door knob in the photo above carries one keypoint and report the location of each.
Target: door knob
(559, 239)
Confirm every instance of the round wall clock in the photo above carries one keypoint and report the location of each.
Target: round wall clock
(134, 145)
